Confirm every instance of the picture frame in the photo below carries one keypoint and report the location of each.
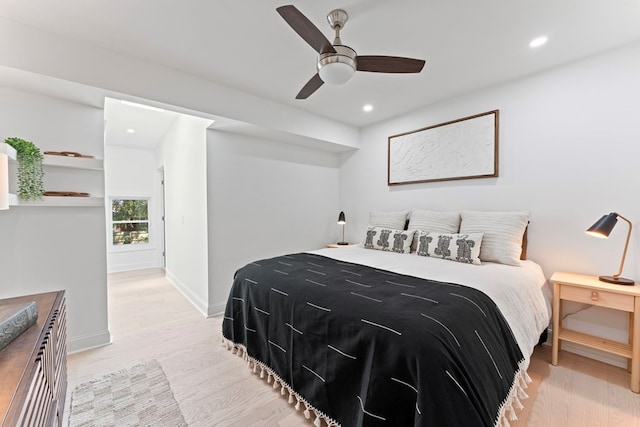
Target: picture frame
(465, 148)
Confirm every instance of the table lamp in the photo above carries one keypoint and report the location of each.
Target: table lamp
(602, 228)
(342, 222)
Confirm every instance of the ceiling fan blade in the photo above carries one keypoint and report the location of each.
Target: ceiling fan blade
(388, 64)
(311, 86)
(305, 29)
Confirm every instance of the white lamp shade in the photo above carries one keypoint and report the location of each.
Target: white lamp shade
(336, 73)
(4, 182)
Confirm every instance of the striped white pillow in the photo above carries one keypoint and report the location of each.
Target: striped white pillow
(441, 222)
(503, 231)
(433, 221)
(394, 220)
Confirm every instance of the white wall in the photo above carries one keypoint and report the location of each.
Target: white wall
(183, 154)
(266, 199)
(132, 172)
(46, 249)
(569, 153)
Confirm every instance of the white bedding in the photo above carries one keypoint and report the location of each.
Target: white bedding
(521, 293)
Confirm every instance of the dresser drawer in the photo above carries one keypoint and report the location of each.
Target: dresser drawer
(33, 376)
(597, 297)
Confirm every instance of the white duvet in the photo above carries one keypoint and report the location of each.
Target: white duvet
(521, 293)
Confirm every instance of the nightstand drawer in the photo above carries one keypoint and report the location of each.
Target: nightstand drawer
(597, 297)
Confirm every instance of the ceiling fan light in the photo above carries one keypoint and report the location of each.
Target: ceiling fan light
(336, 73)
(337, 67)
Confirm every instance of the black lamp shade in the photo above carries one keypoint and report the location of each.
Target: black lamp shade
(342, 222)
(602, 227)
(341, 219)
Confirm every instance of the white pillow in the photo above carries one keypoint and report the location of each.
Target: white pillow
(394, 220)
(503, 231)
(463, 248)
(387, 239)
(442, 222)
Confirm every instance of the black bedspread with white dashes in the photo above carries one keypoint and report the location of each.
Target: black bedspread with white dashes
(373, 348)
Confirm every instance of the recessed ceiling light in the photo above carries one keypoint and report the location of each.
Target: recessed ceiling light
(538, 41)
(367, 108)
(131, 130)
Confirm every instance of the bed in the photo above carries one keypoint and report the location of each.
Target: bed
(363, 337)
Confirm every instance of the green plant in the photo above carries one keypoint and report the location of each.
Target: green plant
(30, 174)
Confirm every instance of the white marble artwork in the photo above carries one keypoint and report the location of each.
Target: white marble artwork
(462, 149)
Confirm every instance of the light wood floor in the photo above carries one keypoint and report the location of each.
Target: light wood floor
(150, 319)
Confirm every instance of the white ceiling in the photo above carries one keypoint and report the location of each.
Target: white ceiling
(468, 44)
(149, 126)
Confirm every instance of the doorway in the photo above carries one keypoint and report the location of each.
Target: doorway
(163, 228)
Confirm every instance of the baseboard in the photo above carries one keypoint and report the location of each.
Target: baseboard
(87, 342)
(589, 352)
(216, 310)
(195, 300)
(119, 268)
(594, 354)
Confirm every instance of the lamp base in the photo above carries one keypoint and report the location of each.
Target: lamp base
(617, 281)
(342, 243)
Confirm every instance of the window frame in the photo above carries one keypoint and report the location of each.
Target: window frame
(130, 247)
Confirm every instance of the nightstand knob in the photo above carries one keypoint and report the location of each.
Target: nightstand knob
(594, 296)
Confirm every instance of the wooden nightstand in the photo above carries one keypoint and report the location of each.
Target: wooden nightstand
(589, 290)
(335, 245)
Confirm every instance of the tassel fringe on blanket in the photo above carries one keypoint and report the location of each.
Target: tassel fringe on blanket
(506, 413)
(513, 402)
(321, 419)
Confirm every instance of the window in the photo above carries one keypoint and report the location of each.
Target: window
(130, 221)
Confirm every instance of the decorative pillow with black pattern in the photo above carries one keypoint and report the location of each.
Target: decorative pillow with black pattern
(433, 221)
(387, 239)
(463, 248)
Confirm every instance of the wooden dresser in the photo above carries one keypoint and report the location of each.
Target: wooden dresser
(33, 367)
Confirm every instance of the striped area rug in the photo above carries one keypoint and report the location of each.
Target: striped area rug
(139, 396)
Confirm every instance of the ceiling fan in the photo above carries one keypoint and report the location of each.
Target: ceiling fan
(337, 62)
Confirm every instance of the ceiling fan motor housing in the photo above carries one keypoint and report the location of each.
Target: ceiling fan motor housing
(339, 67)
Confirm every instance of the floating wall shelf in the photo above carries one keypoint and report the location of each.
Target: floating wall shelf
(53, 161)
(54, 201)
(72, 162)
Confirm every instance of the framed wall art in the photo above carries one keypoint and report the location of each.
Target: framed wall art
(465, 148)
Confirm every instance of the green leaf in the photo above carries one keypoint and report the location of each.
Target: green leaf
(30, 173)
